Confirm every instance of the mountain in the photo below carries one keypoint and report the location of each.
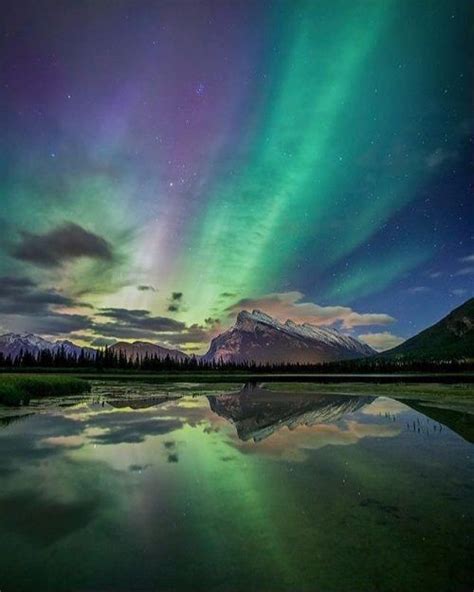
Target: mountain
(143, 348)
(257, 413)
(257, 337)
(11, 344)
(450, 338)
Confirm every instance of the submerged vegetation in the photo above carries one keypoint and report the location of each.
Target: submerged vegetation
(19, 389)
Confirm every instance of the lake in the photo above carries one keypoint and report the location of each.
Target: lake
(231, 487)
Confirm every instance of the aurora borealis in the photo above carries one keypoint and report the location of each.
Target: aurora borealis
(165, 164)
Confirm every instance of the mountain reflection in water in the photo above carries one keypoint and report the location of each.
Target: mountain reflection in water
(190, 486)
(258, 413)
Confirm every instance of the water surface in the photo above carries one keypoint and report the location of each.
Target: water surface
(201, 487)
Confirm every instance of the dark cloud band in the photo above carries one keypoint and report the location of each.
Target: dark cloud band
(66, 242)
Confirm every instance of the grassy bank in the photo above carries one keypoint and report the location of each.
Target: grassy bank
(238, 375)
(450, 396)
(18, 389)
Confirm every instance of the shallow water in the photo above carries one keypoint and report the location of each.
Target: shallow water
(228, 488)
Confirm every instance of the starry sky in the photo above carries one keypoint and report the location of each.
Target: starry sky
(167, 164)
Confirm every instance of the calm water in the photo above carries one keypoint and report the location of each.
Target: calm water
(205, 488)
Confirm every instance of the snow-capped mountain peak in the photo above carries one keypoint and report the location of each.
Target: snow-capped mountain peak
(12, 344)
(258, 337)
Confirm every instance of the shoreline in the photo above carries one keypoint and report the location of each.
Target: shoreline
(223, 376)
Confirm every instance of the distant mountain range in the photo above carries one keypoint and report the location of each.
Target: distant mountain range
(144, 348)
(12, 344)
(258, 337)
(255, 337)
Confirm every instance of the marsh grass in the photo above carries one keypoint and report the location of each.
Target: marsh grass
(19, 389)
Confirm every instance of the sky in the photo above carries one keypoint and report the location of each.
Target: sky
(164, 165)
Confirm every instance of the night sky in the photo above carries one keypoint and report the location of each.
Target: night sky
(166, 164)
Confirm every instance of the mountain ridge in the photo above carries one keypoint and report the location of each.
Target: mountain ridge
(450, 337)
(12, 344)
(258, 337)
(146, 348)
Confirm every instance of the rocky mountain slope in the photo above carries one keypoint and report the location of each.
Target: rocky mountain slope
(144, 348)
(257, 337)
(451, 338)
(11, 344)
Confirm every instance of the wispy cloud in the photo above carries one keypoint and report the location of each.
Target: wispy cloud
(122, 323)
(290, 305)
(465, 271)
(133, 320)
(418, 290)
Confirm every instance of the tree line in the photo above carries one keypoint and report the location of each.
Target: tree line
(108, 359)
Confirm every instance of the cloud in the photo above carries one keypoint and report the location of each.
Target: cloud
(101, 341)
(384, 405)
(132, 427)
(146, 288)
(137, 324)
(13, 284)
(418, 290)
(141, 319)
(468, 270)
(176, 301)
(288, 305)
(66, 242)
(34, 302)
(29, 300)
(192, 334)
(136, 468)
(58, 324)
(435, 274)
(459, 292)
(43, 520)
(51, 323)
(190, 349)
(210, 322)
(465, 271)
(140, 324)
(26, 306)
(295, 446)
(23, 448)
(381, 341)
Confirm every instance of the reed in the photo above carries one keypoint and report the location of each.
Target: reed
(19, 389)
